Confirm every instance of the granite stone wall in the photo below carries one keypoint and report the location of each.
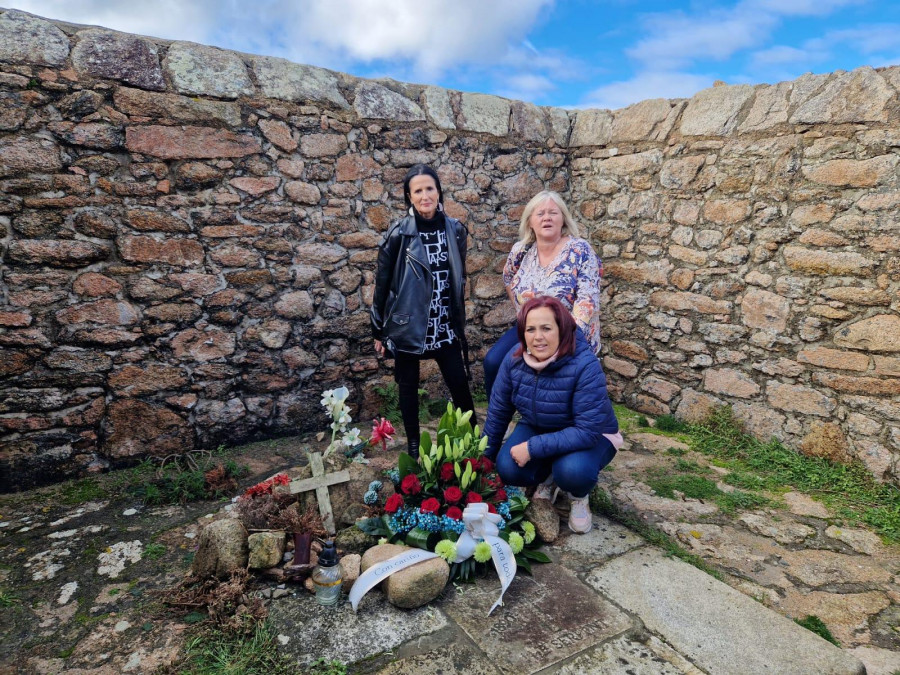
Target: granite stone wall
(188, 239)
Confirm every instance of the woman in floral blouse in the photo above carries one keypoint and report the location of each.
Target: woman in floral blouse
(549, 259)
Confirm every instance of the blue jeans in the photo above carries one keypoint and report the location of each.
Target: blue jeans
(494, 358)
(575, 472)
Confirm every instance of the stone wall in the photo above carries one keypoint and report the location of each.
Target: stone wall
(188, 238)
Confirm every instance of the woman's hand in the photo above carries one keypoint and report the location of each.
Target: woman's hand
(379, 348)
(520, 453)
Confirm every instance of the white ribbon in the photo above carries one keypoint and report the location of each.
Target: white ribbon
(378, 573)
(481, 524)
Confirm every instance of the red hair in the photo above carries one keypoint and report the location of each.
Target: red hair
(564, 321)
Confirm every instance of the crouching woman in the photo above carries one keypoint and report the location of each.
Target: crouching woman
(568, 430)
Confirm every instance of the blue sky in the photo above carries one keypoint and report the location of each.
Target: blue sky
(569, 53)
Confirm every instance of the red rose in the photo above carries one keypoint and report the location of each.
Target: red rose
(447, 471)
(452, 495)
(491, 509)
(454, 512)
(500, 496)
(393, 503)
(430, 505)
(486, 465)
(473, 498)
(411, 485)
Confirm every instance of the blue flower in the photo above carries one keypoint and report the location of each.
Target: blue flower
(394, 475)
(376, 486)
(513, 491)
(451, 525)
(370, 498)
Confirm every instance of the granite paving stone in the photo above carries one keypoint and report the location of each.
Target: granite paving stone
(718, 628)
(544, 619)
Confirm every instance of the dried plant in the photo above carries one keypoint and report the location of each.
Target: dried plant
(227, 603)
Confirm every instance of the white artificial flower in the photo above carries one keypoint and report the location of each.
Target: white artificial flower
(327, 398)
(351, 438)
(341, 393)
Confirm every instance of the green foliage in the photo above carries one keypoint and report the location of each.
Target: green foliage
(849, 489)
(817, 626)
(215, 652)
(692, 487)
(83, 490)
(689, 467)
(154, 551)
(479, 395)
(671, 423)
(676, 452)
(8, 598)
(323, 666)
(177, 483)
(643, 422)
(390, 403)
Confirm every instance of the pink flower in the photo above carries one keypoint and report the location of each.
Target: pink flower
(454, 512)
(382, 432)
(430, 505)
(452, 495)
(411, 485)
(393, 503)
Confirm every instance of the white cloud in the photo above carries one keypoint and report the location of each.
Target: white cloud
(644, 86)
(526, 87)
(170, 19)
(782, 55)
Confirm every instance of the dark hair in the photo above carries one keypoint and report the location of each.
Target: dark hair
(421, 170)
(564, 322)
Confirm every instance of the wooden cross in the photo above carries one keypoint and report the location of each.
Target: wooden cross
(320, 482)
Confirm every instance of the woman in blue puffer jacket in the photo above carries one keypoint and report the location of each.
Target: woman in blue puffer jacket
(568, 430)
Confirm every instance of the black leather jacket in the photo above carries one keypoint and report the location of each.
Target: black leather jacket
(403, 286)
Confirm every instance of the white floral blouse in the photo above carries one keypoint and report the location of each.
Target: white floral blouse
(573, 277)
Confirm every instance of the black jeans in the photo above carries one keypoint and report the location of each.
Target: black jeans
(406, 373)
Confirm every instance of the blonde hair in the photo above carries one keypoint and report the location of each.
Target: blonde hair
(526, 234)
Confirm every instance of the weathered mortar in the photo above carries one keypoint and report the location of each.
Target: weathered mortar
(188, 239)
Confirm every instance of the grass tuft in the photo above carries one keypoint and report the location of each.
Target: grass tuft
(849, 489)
(817, 626)
(215, 652)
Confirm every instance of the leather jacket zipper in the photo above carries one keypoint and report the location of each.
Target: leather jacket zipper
(411, 257)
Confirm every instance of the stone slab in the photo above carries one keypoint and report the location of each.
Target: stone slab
(308, 631)
(460, 658)
(720, 629)
(626, 655)
(605, 540)
(544, 620)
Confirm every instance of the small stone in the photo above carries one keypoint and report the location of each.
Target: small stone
(222, 549)
(545, 519)
(265, 549)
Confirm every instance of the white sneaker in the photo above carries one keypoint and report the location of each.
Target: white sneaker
(580, 520)
(546, 490)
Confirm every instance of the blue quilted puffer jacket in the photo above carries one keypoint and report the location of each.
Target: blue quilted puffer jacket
(566, 402)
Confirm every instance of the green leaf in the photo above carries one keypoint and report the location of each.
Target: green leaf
(523, 564)
(537, 556)
(425, 443)
(406, 465)
(374, 526)
(419, 538)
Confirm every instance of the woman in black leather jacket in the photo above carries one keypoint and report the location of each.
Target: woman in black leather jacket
(418, 311)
